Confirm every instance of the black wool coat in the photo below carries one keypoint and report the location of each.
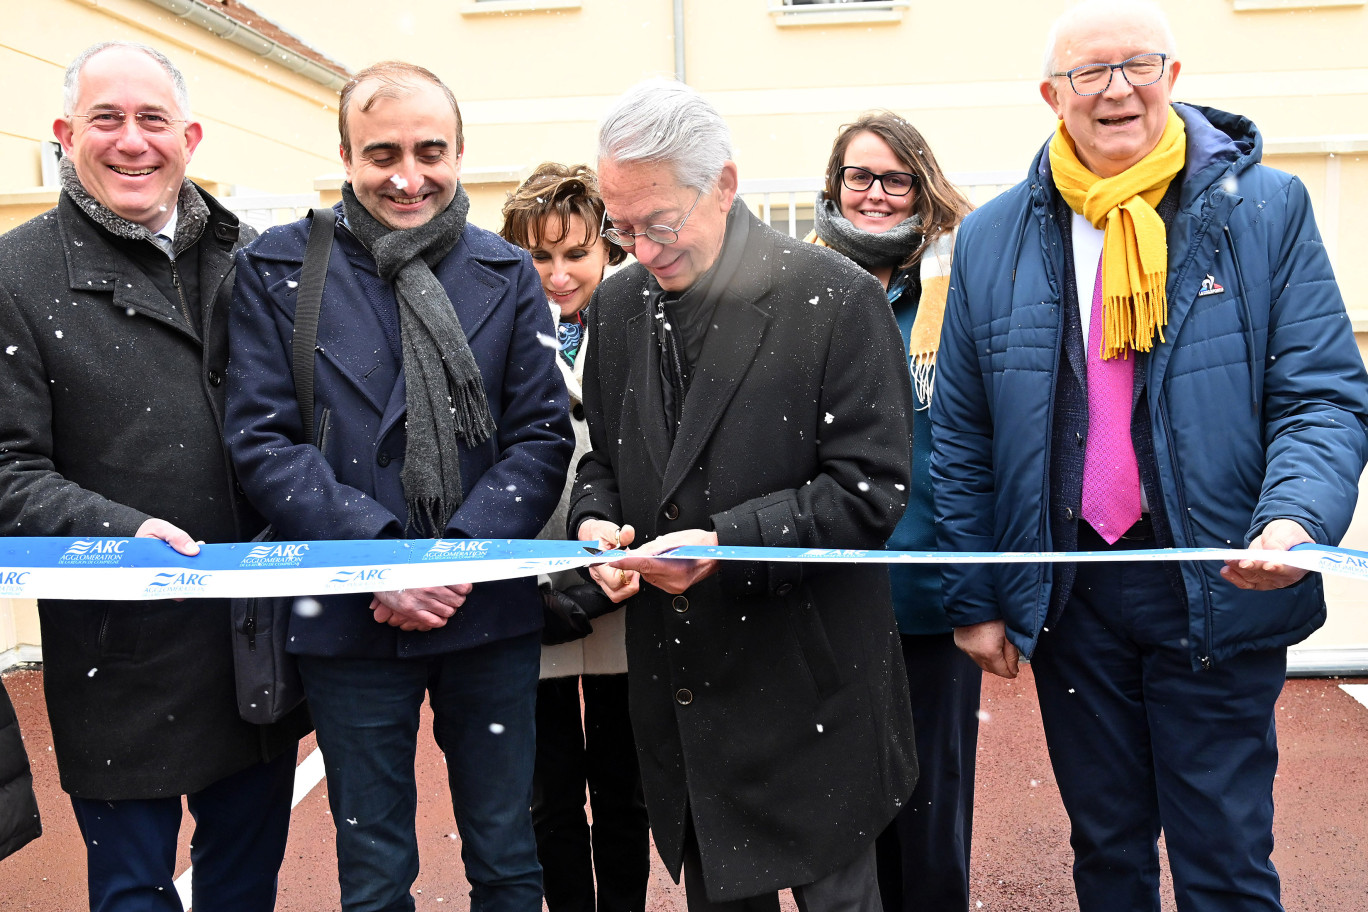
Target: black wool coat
(769, 701)
(113, 406)
(19, 823)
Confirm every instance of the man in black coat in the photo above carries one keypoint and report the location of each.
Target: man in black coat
(746, 389)
(113, 319)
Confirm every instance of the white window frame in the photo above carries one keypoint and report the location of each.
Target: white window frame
(838, 12)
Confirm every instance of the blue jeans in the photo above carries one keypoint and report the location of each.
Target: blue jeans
(1140, 742)
(241, 822)
(484, 704)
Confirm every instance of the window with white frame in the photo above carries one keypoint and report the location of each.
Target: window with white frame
(819, 12)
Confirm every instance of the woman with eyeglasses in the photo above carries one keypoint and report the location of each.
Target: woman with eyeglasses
(556, 215)
(888, 207)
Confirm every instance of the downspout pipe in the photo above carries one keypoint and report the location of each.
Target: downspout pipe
(679, 40)
(226, 27)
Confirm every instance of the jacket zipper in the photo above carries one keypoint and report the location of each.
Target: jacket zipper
(180, 294)
(1178, 490)
(1043, 533)
(1207, 634)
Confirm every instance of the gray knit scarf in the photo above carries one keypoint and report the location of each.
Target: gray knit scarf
(870, 251)
(193, 212)
(445, 396)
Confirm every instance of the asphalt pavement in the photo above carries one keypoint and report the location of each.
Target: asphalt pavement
(1021, 855)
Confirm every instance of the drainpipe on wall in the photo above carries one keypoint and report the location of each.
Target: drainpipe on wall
(679, 40)
(229, 29)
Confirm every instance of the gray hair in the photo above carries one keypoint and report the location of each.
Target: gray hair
(71, 84)
(661, 120)
(1145, 10)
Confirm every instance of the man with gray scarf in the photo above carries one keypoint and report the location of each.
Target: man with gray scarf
(113, 317)
(440, 413)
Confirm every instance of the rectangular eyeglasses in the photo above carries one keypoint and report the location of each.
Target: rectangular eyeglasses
(1094, 78)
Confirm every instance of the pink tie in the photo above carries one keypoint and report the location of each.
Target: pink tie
(1111, 479)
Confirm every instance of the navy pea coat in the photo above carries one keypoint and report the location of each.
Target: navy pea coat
(348, 486)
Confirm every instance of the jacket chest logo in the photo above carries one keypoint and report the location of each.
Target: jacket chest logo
(1210, 287)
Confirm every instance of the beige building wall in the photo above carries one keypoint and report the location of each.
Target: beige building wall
(266, 129)
(535, 76)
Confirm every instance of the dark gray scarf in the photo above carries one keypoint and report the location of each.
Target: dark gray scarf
(193, 212)
(682, 319)
(870, 251)
(445, 396)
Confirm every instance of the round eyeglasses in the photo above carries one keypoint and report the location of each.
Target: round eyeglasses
(1094, 78)
(894, 183)
(660, 234)
(112, 120)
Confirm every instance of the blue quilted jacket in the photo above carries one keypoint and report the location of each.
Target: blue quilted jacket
(1257, 397)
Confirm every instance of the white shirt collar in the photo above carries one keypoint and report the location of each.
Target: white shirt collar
(166, 237)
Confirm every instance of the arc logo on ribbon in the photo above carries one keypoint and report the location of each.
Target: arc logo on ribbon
(456, 550)
(281, 555)
(94, 551)
(351, 575)
(178, 584)
(12, 583)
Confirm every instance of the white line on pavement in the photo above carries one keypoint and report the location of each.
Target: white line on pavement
(1357, 691)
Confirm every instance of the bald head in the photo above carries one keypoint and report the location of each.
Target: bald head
(1115, 123)
(1093, 16)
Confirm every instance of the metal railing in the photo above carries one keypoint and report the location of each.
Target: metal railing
(261, 211)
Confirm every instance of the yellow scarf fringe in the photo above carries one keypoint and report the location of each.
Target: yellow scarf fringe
(1135, 242)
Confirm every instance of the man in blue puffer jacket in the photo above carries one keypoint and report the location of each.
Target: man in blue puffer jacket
(1218, 401)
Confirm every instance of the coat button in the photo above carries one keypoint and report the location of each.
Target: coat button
(1068, 513)
(577, 410)
(215, 378)
(671, 511)
(382, 460)
(1078, 438)
(683, 696)
(785, 588)
(681, 604)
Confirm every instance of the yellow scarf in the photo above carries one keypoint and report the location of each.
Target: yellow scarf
(1135, 242)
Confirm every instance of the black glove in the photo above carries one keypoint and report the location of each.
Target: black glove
(564, 619)
(567, 612)
(592, 599)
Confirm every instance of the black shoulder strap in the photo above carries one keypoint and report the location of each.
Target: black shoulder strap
(308, 303)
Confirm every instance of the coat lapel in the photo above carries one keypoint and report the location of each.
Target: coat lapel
(731, 345)
(350, 337)
(644, 378)
(215, 259)
(474, 289)
(93, 266)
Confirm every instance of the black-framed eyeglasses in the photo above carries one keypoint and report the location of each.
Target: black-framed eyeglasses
(112, 120)
(894, 183)
(660, 234)
(1094, 78)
